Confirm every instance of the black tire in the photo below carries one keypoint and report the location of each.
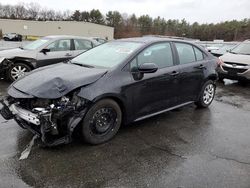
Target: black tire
(221, 79)
(101, 122)
(17, 66)
(6, 39)
(207, 94)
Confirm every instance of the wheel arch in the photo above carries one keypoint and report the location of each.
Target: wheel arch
(24, 61)
(213, 77)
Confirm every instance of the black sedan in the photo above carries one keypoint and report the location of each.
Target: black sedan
(122, 81)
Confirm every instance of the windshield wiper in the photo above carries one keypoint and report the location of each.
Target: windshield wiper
(244, 53)
(82, 65)
(231, 52)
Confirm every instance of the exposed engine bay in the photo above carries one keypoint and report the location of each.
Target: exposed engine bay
(53, 120)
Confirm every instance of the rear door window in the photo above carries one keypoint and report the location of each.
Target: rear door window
(81, 44)
(60, 45)
(185, 52)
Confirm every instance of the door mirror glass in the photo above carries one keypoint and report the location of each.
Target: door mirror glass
(148, 68)
(45, 50)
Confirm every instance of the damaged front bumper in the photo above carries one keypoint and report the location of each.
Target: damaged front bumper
(53, 125)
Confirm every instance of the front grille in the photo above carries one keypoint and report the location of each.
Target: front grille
(239, 64)
(234, 70)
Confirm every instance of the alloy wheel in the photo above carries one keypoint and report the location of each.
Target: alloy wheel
(18, 71)
(208, 94)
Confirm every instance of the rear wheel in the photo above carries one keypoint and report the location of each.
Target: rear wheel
(18, 70)
(101, 122)
(207, 94)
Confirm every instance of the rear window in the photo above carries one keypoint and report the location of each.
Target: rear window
(81, 44)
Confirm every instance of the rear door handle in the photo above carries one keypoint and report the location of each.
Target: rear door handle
(174, 73)
(200, 67)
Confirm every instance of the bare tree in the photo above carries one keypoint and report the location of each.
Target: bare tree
(20, 11)
(51, 15)
(7, 11)
(66, 15)
(43, 14)
(33, 10)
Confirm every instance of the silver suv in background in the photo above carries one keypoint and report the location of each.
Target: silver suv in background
(14, 63)
(224, 49)
(236, 63)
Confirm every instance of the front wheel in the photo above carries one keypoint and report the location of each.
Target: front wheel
(101, 122)
(207, 94)
(18, 70)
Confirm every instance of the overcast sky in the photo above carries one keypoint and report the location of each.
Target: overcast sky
(202, 11)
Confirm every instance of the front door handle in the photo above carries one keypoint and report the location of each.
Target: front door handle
(174, 73)
(68, 54)
(200, 67)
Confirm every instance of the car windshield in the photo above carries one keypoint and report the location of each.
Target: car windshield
(36, 44)
(107, 55)
(243, 48)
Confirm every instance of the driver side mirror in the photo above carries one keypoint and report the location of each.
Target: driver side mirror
(45, 50)
(148, 68)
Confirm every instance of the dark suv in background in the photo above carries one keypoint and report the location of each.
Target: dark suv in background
(12, 37)
(121, 81)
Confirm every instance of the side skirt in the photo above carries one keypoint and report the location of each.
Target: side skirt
(162, 111)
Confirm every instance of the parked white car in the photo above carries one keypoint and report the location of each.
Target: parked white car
(14, 63)
(236, 63)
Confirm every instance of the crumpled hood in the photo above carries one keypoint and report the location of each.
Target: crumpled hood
(55, 81)
(17, 52)
(236, 58)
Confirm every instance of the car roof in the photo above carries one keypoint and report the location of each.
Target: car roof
(67, 36)
(151, 39)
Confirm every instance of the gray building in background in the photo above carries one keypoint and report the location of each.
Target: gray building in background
(44, 28)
